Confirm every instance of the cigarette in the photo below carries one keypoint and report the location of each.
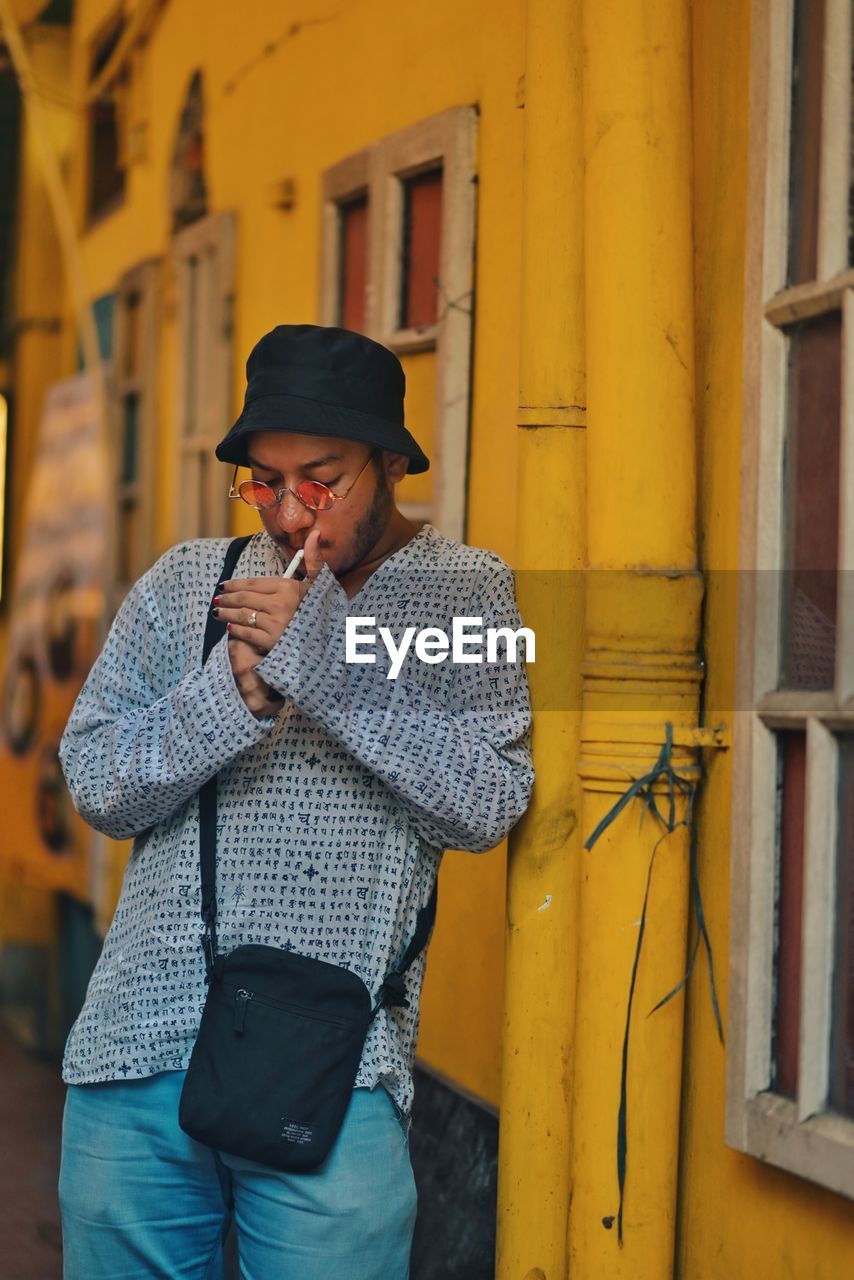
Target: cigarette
(294, 564)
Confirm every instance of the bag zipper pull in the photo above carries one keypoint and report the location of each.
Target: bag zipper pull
(241, 1000)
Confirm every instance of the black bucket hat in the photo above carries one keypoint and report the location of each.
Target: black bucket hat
(326, 382)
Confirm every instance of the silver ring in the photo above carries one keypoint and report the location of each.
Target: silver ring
(253, 619)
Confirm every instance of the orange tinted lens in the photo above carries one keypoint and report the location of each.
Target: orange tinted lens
(257, 494)
(315, 495)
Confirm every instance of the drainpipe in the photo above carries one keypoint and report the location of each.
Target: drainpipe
(641, 666)
(543, 859)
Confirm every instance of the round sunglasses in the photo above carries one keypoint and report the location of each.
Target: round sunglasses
(311, 493)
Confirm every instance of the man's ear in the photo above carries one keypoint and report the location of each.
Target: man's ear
(395, 465)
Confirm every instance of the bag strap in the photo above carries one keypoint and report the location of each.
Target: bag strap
(393, 990)
(215, 628)
(214, 631)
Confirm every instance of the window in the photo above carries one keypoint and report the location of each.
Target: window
(421, 238)
(790, 1092)
(133, 385)
(841, 1082)
(346, 260)
(204, 271)
(353, 263)
(106, 168)
(398, 265)
(188, 194)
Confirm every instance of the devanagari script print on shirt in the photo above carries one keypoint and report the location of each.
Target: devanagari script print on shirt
(332, 814)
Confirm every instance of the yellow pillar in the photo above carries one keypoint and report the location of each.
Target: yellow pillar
(641, 666)
(533, 1188)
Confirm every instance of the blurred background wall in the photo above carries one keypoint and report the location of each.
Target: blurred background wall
(595, 231)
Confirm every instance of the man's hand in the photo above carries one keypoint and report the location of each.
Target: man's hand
(257, 610)
(258, 696)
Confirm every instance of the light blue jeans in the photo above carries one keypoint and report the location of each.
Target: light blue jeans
(140, 1199)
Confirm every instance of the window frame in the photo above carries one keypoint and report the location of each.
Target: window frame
(113, 29)
(446, 140)
(797, 1135)
(142, 281)
(341, 184)
(214, 353)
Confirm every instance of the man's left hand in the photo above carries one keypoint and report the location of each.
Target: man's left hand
(257, 610)
(260, 698)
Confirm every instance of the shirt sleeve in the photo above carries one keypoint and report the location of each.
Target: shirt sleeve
(134, 749)
(462, 773)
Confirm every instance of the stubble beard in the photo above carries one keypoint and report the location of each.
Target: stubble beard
(371, 527)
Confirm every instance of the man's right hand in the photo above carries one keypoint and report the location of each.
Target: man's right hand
(258, 696)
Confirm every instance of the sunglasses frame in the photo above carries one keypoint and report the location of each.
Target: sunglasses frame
(279, 494)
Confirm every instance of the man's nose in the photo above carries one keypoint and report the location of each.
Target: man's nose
(293, 514)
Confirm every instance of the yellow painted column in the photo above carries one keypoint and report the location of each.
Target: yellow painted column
(533, 1187)
(643, 599)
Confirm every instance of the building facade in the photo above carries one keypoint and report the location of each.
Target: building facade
(610, 242)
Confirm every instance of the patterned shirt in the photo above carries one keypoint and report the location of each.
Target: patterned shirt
(332, 813)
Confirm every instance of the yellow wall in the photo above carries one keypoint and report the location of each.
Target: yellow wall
(348, 75)
(738, 1219)
(27, 913)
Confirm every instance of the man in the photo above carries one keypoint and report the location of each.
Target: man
(338, 789)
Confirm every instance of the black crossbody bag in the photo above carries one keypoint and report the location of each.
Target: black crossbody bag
(274, 1065)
